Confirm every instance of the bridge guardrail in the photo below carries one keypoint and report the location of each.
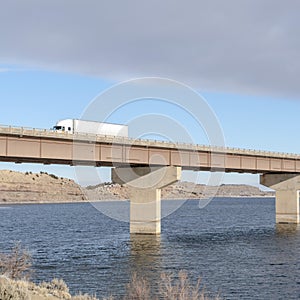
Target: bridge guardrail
(5, 129)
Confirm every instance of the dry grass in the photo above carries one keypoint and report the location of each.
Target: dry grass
(56, 287)
(84, 297)
(23, 290)
(12, 290)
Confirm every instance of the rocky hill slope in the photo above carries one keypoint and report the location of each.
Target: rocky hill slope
(37, 187)
(17, 187)
(180, 190)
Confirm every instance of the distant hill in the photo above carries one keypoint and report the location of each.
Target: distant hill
(18, 187)
(37, 187)
(179, 190)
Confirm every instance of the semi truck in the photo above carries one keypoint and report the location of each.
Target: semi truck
(74, 126)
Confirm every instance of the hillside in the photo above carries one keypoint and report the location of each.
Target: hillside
(17, 187)
(42, 187)
(180, 190)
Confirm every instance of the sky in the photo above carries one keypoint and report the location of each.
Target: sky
(242, 57)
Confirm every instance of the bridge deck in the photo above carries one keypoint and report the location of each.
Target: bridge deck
(50, 147)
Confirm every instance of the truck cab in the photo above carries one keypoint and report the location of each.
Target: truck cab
(64, 126)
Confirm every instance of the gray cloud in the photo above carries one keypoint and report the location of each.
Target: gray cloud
(235, 46)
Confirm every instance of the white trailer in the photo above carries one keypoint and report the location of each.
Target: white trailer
(82, 126)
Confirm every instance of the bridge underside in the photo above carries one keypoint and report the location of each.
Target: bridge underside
(48, 161)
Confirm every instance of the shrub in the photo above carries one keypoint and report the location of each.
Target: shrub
(85, 297)
(57, 287)
(138, 289)
(16, 264)
(12, 290)
(169, 289)
(180, 289)
(53, 176)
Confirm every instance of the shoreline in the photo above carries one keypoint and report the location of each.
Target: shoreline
(127, 200)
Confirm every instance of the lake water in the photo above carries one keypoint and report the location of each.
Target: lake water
(234, 245)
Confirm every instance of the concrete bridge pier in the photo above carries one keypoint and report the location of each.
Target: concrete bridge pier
(145, 184)
(287, 188)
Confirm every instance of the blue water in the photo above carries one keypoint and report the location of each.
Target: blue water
(234, 245)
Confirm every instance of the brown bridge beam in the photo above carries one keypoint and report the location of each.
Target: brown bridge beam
(57, 148)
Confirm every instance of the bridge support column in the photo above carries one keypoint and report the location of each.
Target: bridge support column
(145, 185)
(287, 188)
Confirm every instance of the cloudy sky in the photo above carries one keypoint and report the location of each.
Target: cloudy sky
(243, 56)
(235, 46)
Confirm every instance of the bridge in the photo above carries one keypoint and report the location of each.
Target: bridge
(146, 166)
